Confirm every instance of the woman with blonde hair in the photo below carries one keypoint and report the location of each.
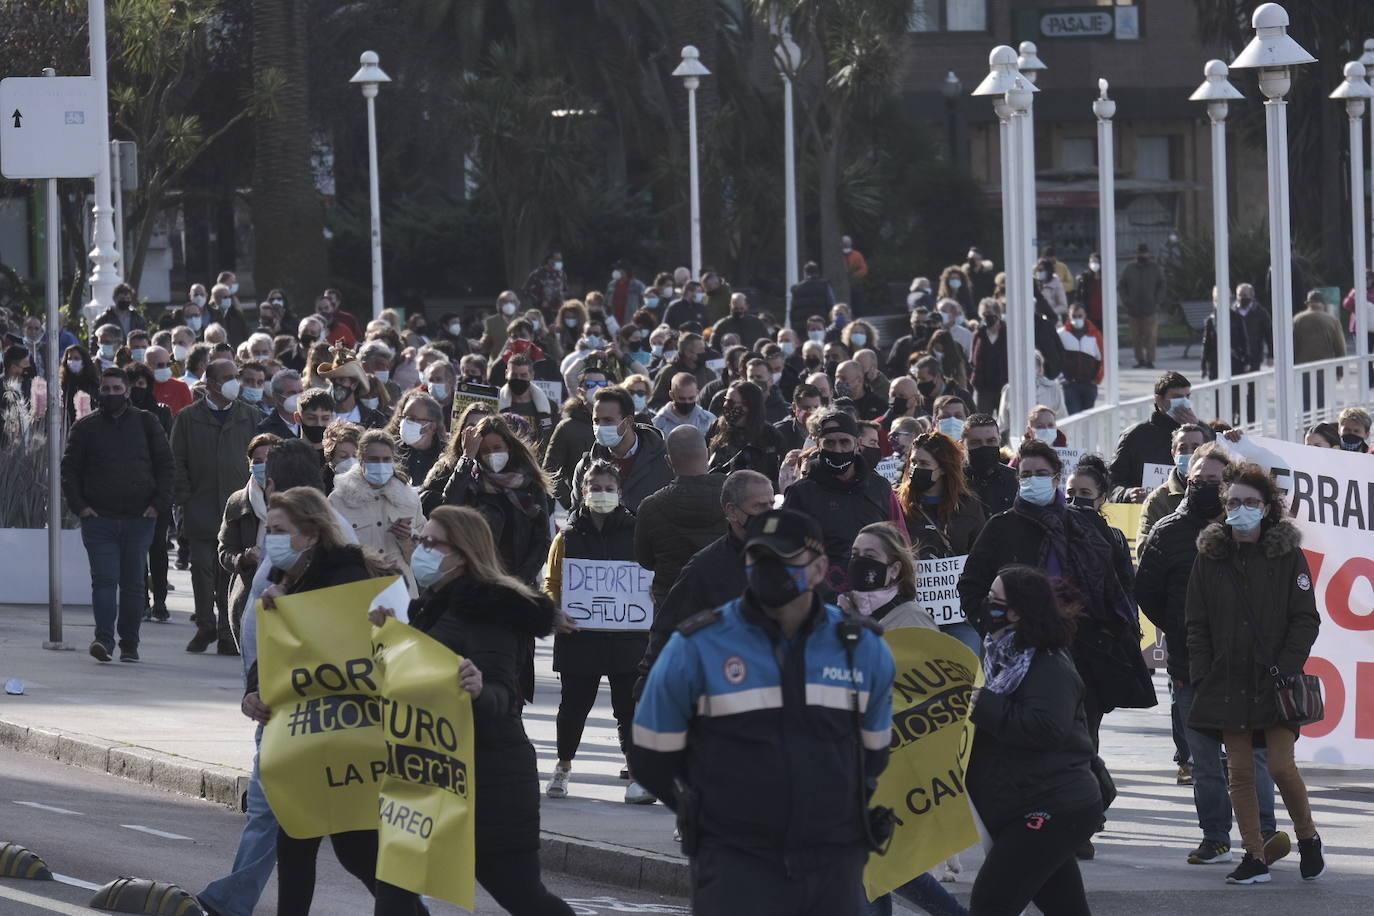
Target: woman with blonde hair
(858, 335)
(882, 579)
(374, 497)
(498, 475)
(470, 604)
(307, 553)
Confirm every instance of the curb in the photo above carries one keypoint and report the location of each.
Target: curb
(609, 863)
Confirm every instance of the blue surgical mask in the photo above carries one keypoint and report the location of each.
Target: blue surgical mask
(1077, 323)
(259, 472)
(858, 339)
(788, 347)
(439, 390)
(1177, 404)
(641, 402)
(699, 298)
(593, 341)
(250, 394)
(107, 351)
(609, 436)
(139, 354)
(952, 427)
(194, 322)
(1038, 491)
(280, 553)
(378, 472)
(651, 302)
(1182, 464)
(425, 563)
(656, 349)
(1244, 519)
(816, 335)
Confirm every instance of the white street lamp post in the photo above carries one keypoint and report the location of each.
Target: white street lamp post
(1021, 313)
(1367, 58)
(787, 55)
(1002, 78)
(1355, 92)
(691, 70)
(1273, 52)
(1216, 90)
(1104, 108)
(104, 274)
(369, 76)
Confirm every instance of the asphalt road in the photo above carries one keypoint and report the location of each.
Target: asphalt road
(91, 828)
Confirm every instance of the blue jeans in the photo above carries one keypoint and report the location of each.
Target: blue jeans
(237, 893)
(1078, 396)
(966, 634)
(1210, 794)
(118, 551)
(923, 892)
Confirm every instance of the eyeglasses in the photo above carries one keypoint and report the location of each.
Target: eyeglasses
(591, 385)
(1253, 502)
(431, 543)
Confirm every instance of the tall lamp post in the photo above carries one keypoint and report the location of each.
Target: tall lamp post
(787, 56)
(1355, 92)
(950, 87)
(1272, 51)
(1104, 108)
(1011, 93)
(369, 77)
(1367, 58)
(1216, 90)
(104, 274)
(691, 70)
(1029, 63)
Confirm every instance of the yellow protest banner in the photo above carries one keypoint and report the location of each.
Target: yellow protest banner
(425, 840)
(322, 752)
(931, 739)
(1125, 517)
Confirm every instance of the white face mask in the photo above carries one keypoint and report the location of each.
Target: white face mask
(179, 352)
(370, 403)
(162, 375)
(1046, 435)
(412, 431)
(508, 308)
(291, 403)
(601, 503)
(383, 375)
(456, 328)
(343, 467)
(496, 461)
(616, 275)
(557, 265)
(1094, 266)
(76, 365)
(233, 288)
(199, 300)
(230, 389)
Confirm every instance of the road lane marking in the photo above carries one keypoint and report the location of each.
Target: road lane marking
(52, 906)
(76, 882)
(29, 804)
(162, 833)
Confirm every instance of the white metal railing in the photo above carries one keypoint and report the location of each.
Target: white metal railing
(1320, 392)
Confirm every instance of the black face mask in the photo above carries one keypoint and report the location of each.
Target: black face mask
(1353, 443)
(142, 398)
(307, 340)
(989, 616)
(312, 434)
(683, 408)
(113, 404)
(734, 414)
(922, 479)
(124, 303)
(984, 458)
(773, 583)
(900, 405)
(518, 385)
(927, 389)
(867, 574)
(1083, 502)
(341, 394)
(836, 462)
(872, 455)
(1204, 499)
(812, 362)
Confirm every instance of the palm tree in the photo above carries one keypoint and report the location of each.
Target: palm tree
(288, 215)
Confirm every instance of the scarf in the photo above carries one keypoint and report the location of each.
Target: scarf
(1087, 569)
(515, 486)
(865, 603)
(257, 499)
(1004, 665)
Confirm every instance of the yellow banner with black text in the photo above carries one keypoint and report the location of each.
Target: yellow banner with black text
(369, 731)
(931, 739)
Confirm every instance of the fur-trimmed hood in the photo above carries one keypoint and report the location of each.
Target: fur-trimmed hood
(1281, 538)
(353, 491)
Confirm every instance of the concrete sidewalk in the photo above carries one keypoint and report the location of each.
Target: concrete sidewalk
(173, 721)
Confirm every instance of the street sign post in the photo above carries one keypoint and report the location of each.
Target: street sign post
(51, 127)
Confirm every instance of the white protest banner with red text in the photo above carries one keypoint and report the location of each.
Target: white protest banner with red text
(1330, 495)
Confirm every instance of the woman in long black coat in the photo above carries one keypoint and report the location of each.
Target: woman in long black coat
(469, 603)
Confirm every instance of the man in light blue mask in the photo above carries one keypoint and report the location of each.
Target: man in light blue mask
(1166, 498)
(637, 450)
(1150, 441)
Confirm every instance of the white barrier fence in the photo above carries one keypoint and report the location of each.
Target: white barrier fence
(1320, 392)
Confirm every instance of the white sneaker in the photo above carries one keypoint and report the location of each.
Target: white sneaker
(635, 794)
(558, 784)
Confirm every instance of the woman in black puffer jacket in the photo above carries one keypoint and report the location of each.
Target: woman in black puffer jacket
(468, 603)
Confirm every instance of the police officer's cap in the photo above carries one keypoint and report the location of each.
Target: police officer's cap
(785, 533)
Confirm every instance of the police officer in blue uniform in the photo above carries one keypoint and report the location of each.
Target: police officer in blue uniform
(764, 724)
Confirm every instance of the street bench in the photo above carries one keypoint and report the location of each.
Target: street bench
(1195, 314)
